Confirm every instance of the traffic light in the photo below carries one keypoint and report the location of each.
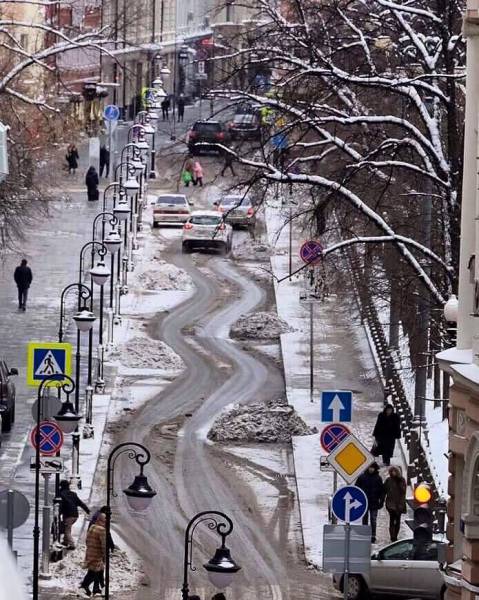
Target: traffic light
(423, 517)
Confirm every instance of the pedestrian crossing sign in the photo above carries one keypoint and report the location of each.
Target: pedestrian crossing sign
(48, 360)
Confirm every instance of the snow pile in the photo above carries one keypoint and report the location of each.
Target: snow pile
(271, 422)
(260, 325)
(167, 277)
(69, 572)
(145, 353)
(252, 250)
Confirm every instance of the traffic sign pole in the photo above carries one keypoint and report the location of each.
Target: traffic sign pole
(347, 541)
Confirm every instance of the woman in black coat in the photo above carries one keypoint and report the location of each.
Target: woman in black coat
(386, 431)
(92, 180)
(372, 485)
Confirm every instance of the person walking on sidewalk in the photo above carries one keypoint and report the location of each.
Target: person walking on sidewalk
(93, 520)
(165, 109)
(69, 512)
(228, 158)
(72, 158)
(395, 489)
(23, 278)
(386, 431)
(181, 108)
(95, 556)
(104, 161)
(92, 181)
(372, 485)
(197, 173)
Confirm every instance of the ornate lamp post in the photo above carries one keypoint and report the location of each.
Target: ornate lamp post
(68, 420)
(139, 494)
(84, 320)
(221, 567)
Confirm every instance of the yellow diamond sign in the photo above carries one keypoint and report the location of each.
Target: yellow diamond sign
(350, 458)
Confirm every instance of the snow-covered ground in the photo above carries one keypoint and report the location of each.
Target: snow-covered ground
(342, 361)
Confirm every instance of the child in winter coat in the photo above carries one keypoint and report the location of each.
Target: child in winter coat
(198, 173)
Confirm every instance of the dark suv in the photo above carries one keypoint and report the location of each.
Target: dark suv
(7, 396)
(207, 132)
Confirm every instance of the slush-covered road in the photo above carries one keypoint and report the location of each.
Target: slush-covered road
(204, 476)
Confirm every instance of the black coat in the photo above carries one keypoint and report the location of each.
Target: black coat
(373, 486)
(386, 431)
(104, 156)
(72, 159)
(23, 277)
(92, 180)
(70, 503)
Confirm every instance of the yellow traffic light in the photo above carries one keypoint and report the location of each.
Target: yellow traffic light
(422, 493)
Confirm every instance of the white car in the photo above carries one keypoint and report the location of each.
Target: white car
(398, 569)
(206, 229)
(171, 209)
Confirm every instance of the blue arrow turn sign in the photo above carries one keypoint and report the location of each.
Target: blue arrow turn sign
(349, 504)
(336, 406)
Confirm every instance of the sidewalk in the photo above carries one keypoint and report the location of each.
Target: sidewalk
(342, 360)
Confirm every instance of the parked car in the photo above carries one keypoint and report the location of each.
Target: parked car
(246, 126)
(398, 570)
(238, 210)
(207, 132)
(171, 209)
(207, 229)
(7, 395)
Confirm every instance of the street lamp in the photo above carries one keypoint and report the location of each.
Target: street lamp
(99, 276)
(67, 418)
(451, 309)
(67, 385)
(221, 567)
(139, 494)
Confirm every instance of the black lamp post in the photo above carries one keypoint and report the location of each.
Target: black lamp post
(138, 494)
(221, 567)
(84, 320)
(67, 419)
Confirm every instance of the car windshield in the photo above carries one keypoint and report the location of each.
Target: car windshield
(232, 201)
(205, 220)
(244, 119)
(170, 200)
(209, 127)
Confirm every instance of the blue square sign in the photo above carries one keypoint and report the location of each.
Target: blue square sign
(336, 406)
(48, 360)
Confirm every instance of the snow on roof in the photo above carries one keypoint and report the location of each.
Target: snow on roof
(469, 372)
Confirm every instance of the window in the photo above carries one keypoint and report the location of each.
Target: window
(400, 551)
(179, 200)
(205, 220)
(207, 127)
(426, 551)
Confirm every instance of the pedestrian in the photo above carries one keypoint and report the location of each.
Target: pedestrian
(181, 108)
(23, 278)
(165, 109)
(93, 519)
(228, 163)
(95, 556)
(104, 160)
(72, 158)
(197, 173)
(372, 485)
(386, 431)
(187, 175)
(395, 500)
(69, 512)
(92, 180)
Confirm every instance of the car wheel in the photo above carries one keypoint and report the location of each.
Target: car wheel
(155, 224)
(357, 589)
(7, 421)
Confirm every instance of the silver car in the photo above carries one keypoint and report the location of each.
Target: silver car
(238, 211)
(400, 570)
(171, 209)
